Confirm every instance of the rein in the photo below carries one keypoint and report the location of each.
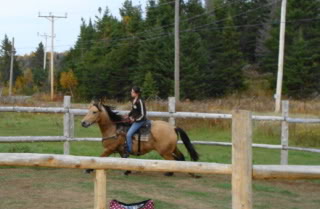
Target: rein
(110, 137)
(122, 121)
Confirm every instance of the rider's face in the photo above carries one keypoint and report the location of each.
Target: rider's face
(133, 93)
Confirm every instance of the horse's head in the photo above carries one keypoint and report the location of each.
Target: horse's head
(93, 115)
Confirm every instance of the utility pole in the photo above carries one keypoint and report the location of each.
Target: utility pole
(52, 18)
(11, 67)
(177, 52)
(281, 55)
(45, 49)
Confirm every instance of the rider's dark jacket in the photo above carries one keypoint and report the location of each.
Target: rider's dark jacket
(138, 111)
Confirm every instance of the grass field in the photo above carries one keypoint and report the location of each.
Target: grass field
(66, 188)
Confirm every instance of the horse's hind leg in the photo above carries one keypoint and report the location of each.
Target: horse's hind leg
(168, 156)
(178, 155)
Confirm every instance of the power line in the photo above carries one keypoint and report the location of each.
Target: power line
(161, 35)
(187, 19)
(237, 15)
(162, 27)
(192, 30)
(254, 25)
(217, 21)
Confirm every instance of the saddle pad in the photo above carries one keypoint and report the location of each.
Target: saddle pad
(143, 138)
(145, 131)
(147, 204)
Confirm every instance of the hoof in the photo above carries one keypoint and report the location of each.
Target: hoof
(88, 171)
(126, 173)
(168, 174)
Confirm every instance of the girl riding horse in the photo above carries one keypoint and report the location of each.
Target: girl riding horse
(163, 137)
(137, 115)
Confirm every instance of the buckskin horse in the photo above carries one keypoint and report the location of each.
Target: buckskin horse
(163, 137)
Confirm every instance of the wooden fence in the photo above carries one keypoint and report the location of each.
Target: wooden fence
(241, 169)
(69, 114)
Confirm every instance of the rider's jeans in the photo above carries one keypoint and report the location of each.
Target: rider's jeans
(133, 129)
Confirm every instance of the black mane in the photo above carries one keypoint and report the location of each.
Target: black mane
(114, 116)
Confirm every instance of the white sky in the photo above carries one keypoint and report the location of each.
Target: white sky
(19, 19)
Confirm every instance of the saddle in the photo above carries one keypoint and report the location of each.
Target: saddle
(142, 134)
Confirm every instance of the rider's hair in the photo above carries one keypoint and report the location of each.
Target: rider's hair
(137, 90)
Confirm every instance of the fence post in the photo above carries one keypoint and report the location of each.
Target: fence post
(68, 124)
(241, 160)
(284, 133)
(100, 190)
(172, 109)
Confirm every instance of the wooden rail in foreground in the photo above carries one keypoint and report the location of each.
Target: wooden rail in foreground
(81, 162)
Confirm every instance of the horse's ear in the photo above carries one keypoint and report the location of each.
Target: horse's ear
(94, 101)
(100, 105)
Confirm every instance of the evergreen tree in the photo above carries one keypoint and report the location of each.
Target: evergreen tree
(227, 74)
(156, 56)
(194, 54)
(301, 63)
(5, 53)
(40, 75)
(131, 17)
(149, 87)
(37, 57)
(156, 52)
(5, 60)
(216, 43)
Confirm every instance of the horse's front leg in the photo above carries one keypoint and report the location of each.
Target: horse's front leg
(105, 153)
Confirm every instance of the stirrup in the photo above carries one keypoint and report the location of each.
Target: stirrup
(126, 153)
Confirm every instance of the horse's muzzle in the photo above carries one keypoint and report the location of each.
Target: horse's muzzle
(85, 124)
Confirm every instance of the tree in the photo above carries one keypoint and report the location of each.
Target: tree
(40, 75)
(227, 76)
(149, 87)
(131, 17)
(38, 57)
(302, 63)
(24, 83)
(5, 60)
(156, 50)
(194, 52)
(68, 81)
(156, 56)
(115, 54)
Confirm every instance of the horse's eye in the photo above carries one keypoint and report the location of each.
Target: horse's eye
(95, 112)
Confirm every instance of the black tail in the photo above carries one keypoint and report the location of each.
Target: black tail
(186, 141)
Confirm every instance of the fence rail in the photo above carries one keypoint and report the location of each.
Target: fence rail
(160, 114)
(81, 162)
